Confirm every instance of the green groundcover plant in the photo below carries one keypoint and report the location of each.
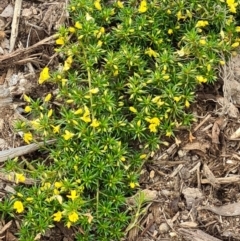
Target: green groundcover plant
(128, 75)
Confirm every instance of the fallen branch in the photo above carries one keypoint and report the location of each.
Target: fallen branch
(22, 150)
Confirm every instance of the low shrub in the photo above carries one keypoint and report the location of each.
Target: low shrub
(128, 77)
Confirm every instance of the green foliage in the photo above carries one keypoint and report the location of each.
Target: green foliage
(129, 74)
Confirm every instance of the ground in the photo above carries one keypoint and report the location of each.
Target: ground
(192, 183)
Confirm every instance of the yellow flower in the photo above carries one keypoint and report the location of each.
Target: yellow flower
(222, 62)
(132, 184)
(73, 8)
(201, 23)
(132, 109)
(97, 5)
(86, 117)
(232, 5)
(151, 53)
(18, 206)
(26, 98)
(187, 104)
(19, 178)
(95, 123)
(68, 135)
(29, 199)
(78, 112)
(236, 44)
(99, 43)
(27, 137)
(48, 97)
(94, 91)
(154, 120)
(72, 29)
(177, 98)
(166, 77)
(202, 41)
(68, 63)
(153, 128)
(237, 29)
(78, 25)
(57, 216)
(69, 224)
(27, 109)
(201, 79)
(44, 75)
(143, 6)
(168, 133)
(56, 129)
(73, 195)
(50, 112)
(120, 4)
(58, 184)
(170, 31)
(73, 217)
(60, 41)
(143, 156)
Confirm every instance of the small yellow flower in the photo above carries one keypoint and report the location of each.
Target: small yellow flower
(237, 29)
(26, 98)
(73, 8)
(19, 177)
(166, 77)
(35, 124)
(72, 29)
(18, 205)
(78, 112)
(201, 23)
(57, 216)
(44, 75)
(27, 137)
(202, 41)
(78, 25)
(68, 63)
(95, 123)
(235, 45)
(68, 135)
(29, 199)
(58, 184)
(153, 128)
(50, 112)
(169, 11)
(97, 5)
(69, 224)
(27, 109)
(73, 195)
(143, 156)
(94, 91)
(132, 185)
(132, 109)
(73, 217)
(56, 129)
(187, 104)
(170, 31)
(168, 133)
(201, 79)
(177, 99)
(222, 62)
(143, 6)
(120, 4)
(60, 41)
(48, 97)
(99, 43)
(151, 53)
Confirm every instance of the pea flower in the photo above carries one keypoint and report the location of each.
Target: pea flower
(73, 217)
(48, 97)
(26, 98)
(56, 129)
(201, 23)
(19, 177)
(143, 6)
(44, 75)
(18, 205)
(97, 5)
(27, 109)
(27, 137)
(68, 135)
(57, 216)
(95, 123)
(73, 195)
(60, 41)
(78, 25)
(201, 79)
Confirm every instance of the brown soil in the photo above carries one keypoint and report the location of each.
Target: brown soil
(188, 182)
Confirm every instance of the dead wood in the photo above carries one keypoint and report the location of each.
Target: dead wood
(196, 235)
(17, 57)
(22, 150)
